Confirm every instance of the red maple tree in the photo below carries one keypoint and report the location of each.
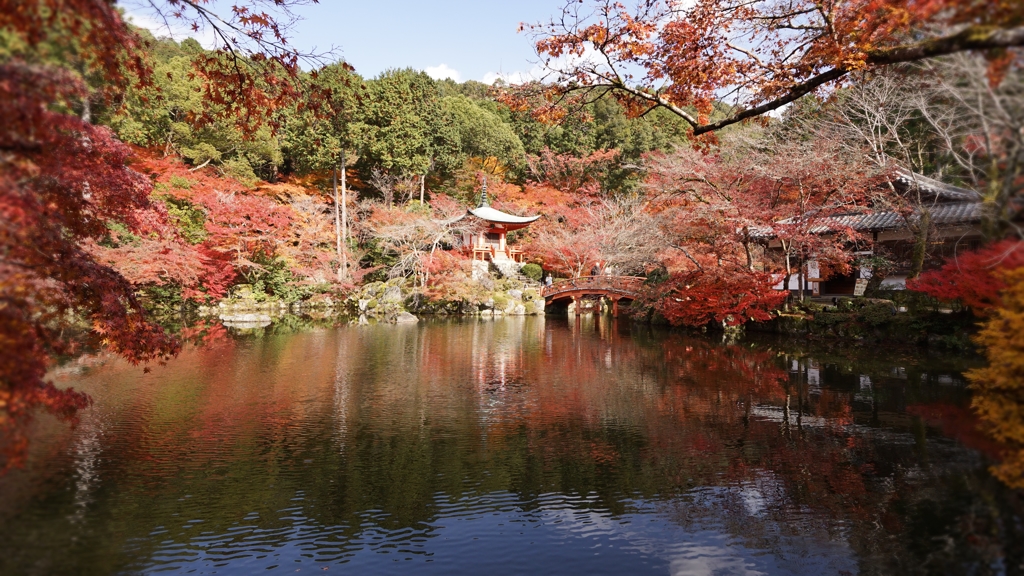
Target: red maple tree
(572, 174)
(974, 278)
(63, 180)
(720, 205)
(721, 294)
(758, 54)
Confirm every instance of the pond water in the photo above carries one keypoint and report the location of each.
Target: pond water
(515, 446)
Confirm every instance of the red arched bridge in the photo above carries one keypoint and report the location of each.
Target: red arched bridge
(614, 288)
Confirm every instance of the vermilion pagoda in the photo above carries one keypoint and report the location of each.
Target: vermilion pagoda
(490, 243)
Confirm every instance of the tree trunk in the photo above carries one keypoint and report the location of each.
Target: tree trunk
(344, 217)
(87, 109)
(422, 186)
(789, 274)
(746, 248)
(920, 244)
(994, 207)
(337, 222)
(800, 276)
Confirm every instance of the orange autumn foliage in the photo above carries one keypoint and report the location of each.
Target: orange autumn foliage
(758, 54)
(999, 387)
(722, 295)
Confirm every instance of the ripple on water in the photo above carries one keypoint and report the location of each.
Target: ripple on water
(498, 448)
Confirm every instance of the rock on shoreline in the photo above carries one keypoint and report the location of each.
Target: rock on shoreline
(391, 301)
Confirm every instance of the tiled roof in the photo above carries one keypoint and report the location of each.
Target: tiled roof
(960, 213)
(943, 214)
(934, 189)
(950, 205)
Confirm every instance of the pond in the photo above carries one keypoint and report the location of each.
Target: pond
(516, 446)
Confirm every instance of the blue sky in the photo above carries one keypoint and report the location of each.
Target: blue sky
(463, 39)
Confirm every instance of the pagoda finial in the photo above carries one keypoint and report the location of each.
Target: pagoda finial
(483, 195)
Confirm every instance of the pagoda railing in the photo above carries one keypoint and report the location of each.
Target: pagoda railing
(491, 252)
(600, 284)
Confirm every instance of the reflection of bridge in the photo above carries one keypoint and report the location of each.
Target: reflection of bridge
(614, 288)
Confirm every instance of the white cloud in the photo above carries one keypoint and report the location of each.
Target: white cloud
(548, 72)
(443, 71)
(169, 27)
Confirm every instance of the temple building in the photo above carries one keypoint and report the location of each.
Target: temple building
(955, 226)
(491, 243)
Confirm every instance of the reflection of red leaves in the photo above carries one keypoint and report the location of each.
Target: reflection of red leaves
(603, 453)
(61, 181)
(958, 423)
(205, 333)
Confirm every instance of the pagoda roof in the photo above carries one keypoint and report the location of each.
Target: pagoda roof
(493, 215)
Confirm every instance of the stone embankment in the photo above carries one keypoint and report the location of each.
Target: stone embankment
(393, 301)
(874, 320)
(245, 310)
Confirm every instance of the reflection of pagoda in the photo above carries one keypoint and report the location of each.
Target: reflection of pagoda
(490, 244)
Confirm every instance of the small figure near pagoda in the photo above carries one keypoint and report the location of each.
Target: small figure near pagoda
(490, 243)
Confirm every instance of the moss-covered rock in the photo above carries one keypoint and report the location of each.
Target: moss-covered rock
(500, 301)
(372, 289)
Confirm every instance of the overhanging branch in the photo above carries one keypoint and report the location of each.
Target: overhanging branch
(974, 38)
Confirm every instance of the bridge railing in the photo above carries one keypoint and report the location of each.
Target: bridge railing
(629, 284)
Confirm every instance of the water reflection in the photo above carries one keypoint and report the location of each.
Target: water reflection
(511, 446)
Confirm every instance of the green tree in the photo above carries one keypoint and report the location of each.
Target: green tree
(320, 135)
(483, 134)
(174, 113)
(402, 129)
(317, 135)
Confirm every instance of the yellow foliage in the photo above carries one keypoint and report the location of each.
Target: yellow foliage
(999, 387)
(489, 165)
